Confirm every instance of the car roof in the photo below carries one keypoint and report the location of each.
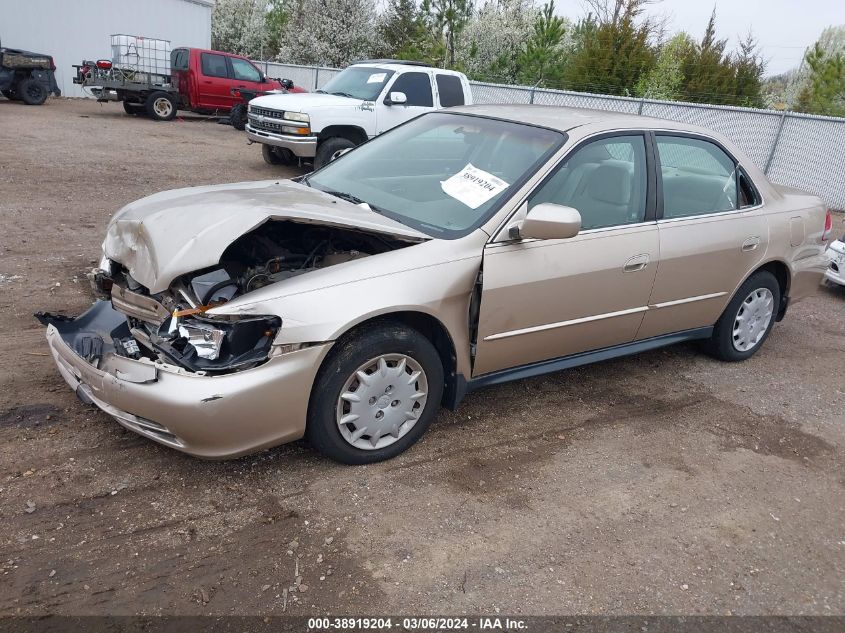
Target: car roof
(565, 119)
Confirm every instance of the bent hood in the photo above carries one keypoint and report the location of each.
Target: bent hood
(175, 232)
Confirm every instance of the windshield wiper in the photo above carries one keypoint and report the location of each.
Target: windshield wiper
(344, 94)
(353, 199)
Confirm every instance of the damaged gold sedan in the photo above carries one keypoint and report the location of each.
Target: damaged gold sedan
(462, 249)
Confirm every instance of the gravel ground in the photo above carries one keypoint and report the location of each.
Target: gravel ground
(661, 483)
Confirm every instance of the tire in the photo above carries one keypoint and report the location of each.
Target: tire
(328, 148)
(135, 109)
(32, 92)
(383, 405)
(11, 94)
(238, 116)
(276, 155)
(741, 330)
(161, 106)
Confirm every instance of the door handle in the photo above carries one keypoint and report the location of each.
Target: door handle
(750, 244)
(637, 262)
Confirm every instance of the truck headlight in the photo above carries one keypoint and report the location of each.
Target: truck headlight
(297, 116)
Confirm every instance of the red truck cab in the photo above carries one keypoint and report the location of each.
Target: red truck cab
(210, 81)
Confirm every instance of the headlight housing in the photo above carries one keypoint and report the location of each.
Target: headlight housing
(297, 116)
(201, 343)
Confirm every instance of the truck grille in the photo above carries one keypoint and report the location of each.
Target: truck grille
(270, 114)
(265, 126)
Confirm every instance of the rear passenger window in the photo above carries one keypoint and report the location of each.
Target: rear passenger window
(604, 180)
(179, 59)
(451, 91)
(698, 177)
(748, 196)
(214, 65)
(417, 87)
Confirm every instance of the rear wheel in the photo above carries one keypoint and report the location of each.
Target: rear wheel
(330, 149)
(376, 394)
(747, 321)
(161, 106)
(33, 92)
(276, 155)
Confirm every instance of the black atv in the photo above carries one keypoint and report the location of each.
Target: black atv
(27, 77)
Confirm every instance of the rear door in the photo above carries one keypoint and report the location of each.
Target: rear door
(214, 84)
(713, 233)
(416, 85)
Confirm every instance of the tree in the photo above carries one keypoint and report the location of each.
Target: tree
(446, 20)
(328, 33)
(238, 26)
(490, 44)
(401, 32)
(614, 48)
(541, 59)
(825, 90)
(748, 69)
(666, 79)
(278, 13)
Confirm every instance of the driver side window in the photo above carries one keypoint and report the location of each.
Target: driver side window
(605, 181)
(417, 88)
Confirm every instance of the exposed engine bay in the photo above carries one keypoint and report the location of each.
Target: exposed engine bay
(172, 326)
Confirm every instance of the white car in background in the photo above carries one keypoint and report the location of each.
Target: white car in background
(836, 269)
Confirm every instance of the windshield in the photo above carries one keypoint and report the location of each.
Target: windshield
(358, 82)
(442, 174)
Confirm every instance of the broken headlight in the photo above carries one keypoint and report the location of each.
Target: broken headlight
(201, 343)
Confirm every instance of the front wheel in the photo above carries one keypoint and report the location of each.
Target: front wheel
(330, 149)
(161, 106)
(276, 155)
(376, 394)
(747, 321)
(33, 92)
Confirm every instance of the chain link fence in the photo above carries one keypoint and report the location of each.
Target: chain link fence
(798, 150)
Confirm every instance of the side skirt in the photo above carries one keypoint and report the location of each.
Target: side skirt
(576, 360)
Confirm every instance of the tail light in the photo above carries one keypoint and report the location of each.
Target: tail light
(103, 64)
(52, 64)
(828, 227)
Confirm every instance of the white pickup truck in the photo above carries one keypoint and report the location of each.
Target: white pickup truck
(364, 100)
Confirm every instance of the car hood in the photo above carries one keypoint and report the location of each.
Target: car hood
(175, 232)
(303, 101)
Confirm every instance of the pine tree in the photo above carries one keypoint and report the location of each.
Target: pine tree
(824, 93)
(446, 20)
(401, 32)
(541, 60)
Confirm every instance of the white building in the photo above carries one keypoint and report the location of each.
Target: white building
(73, 30)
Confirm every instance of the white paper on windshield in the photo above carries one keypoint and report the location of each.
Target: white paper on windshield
(473, 186)
(376, 78)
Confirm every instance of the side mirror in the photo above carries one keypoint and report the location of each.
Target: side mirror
(396, 98)
(549, 221)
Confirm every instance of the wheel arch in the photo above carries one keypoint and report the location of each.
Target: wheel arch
(435, 331)
(352, 133)
(782, 273)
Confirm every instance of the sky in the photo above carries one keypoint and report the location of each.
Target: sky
(783, 28)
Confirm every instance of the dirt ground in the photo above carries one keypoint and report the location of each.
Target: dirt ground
(661, 483)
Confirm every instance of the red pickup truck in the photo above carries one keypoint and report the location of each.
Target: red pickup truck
(201, 81)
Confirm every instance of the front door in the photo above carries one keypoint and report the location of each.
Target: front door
(545, 299)
(245, 76)
(416, 86)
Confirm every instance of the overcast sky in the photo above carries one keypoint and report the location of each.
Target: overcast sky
(784, 28)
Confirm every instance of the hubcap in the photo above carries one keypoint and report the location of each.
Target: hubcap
(752, 319)
(381, 401)
(162, 107)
